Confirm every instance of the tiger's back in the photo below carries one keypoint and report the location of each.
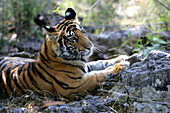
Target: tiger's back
(19, 76)
(11, 68)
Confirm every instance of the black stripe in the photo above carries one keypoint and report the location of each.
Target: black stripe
(26, 81)
(64, 96)
(33, 69)
(2, 86)
(55, 92)
(77, 66)
(5, 90)
(34, 83)
(74, 29)
(59, 71)
(15, 78)
(64, 27)
(16, 84)
(8, 80)
(42, 76)
(45, 46)
(42, 57)
(61, 44)
(39, 73)
(74, 77)
(60, 24)
(2, 64)
(66, 71)
(66, 24)
(73, 25)
(20, 70)
(63, 85)
(56, 24)
(19, 74)
(88, 68)
(69, 27)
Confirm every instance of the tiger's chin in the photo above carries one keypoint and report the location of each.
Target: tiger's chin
(88, 54)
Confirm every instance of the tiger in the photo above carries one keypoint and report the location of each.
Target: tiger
(60, 67)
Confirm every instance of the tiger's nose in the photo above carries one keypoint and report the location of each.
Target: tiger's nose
(89, 46)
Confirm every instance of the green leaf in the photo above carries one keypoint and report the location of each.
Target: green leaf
(137, 46)
(122, 28)
(138, 40)
(147, 42)
(56, 9)
(124, 44)
(129, 34)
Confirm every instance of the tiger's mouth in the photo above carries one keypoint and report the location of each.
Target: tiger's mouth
(87, 53)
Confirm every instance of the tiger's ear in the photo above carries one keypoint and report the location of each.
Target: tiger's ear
(48, 29)
(70, 14)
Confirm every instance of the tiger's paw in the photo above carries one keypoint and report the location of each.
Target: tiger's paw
(121, 58)
(118, 67)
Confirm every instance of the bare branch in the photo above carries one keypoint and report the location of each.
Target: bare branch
(94, 4)
(163, 4)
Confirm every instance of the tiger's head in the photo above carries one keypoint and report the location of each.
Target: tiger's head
(69, 39)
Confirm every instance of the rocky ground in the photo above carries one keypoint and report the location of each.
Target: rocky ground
(143, 87)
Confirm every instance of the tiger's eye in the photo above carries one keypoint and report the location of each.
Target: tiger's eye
(72, 39)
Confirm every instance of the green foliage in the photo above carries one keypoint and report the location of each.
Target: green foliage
(154, 42)
(94, 12)
(20, 15)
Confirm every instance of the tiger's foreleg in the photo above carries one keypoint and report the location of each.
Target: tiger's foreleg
(95, 78)
(103, 64)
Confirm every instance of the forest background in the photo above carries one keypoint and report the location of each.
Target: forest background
(17, 19)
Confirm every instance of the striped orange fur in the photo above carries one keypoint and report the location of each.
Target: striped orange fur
(60, 67)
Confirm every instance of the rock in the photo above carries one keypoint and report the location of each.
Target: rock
(165, 35)
(145, 107)
(135, 58)
(23, 55)
(31, 44)
(153, 71)
(4, 50)
(2, 108)
(116, 38)
(109, 42)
